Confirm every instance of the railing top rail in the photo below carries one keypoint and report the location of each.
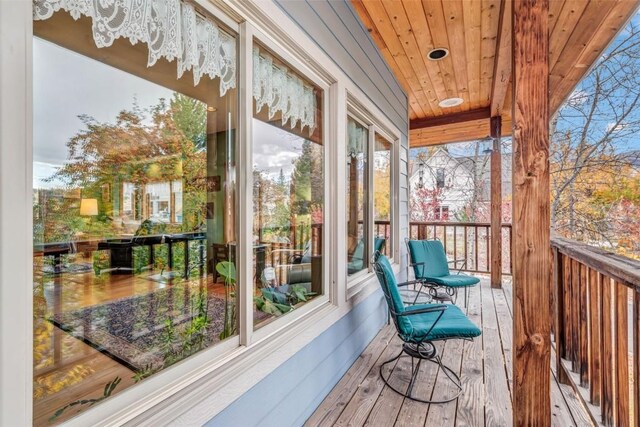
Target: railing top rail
(456, 223)
(620, 268)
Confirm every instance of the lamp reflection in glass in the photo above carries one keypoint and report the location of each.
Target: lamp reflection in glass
(88, 207)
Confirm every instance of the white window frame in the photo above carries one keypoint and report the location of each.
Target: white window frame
(324, 83)
(196, 389)
(376, 125)
(355, 113)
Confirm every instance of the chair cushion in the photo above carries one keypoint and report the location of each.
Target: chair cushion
(357, 259)
(452, 324)
(454, 280)
(429, 258)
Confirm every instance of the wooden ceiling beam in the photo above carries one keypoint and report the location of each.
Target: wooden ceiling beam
(449, 119)
(502, 65)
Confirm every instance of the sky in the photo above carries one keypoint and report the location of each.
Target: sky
(67, 84)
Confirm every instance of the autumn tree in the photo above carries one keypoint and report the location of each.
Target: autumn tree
(141, 146)
(591, 140)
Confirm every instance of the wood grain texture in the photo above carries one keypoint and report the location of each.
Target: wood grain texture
(583, 326)
(476, 33)
(531, 221)
(595, 333)
(328, 413)
(575, 315)
(470, 411)
(621, 353)
(636, 358)
(457, 132)
(606, 350)
(496, 203)
(502, 66)
(488, 308)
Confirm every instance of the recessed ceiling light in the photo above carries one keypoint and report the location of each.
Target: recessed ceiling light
(438, 53)
(212, 109)
(450, 102)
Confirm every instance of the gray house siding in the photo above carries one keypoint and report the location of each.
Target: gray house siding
(290, 394)
(336, 28)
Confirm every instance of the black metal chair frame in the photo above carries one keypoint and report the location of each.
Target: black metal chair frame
(422, 349)
(451, 292)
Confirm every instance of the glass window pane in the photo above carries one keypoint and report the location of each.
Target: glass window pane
(382, 193)
(357, 244)
(288, 191)
(134, 216)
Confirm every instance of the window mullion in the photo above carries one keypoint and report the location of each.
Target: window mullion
(369, 185)
(245, 184)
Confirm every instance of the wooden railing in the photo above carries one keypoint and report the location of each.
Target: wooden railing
(595, 295)
(466, 240)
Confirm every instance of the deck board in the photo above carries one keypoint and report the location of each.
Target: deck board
(361, 398)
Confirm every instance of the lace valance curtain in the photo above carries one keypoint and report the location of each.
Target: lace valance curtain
(281, 90)
(170, 28)
(356, 138)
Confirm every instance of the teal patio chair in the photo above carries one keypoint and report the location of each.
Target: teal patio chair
(430, 265)
(419, 326)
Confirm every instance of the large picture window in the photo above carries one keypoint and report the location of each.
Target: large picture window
(133, 198)
(288, 188)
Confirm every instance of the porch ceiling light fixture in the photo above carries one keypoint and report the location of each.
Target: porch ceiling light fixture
(450, 102)
(437, 54)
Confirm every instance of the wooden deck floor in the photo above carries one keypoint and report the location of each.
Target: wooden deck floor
(361, 398)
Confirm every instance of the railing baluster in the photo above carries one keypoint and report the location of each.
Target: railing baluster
(487, 247)
(566, 269)
(584, 343)
(444, 229)
(636, 357)
(455, 242)
(622, 354)
(595, 333)
(475, 238)
(559, 311)
(575, 314)
(607, 354)
(466, 249)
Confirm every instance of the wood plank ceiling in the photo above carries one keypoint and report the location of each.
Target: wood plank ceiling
(477, 34)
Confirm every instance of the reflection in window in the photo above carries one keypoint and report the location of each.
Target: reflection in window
(382, 202)
(357, 149)
(288, 188)
(134, 207)
(440, 178)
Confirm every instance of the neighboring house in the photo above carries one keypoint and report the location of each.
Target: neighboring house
(448, 188)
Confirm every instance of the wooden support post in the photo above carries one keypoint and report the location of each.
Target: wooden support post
(531, 217)
(496, 204)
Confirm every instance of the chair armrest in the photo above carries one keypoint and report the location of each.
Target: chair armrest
(412, 282)
(455, 263)
(422, 310)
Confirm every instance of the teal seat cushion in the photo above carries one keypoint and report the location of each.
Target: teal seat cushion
(452, 324)
(454, 280)
(357, 259)
(428, 258)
